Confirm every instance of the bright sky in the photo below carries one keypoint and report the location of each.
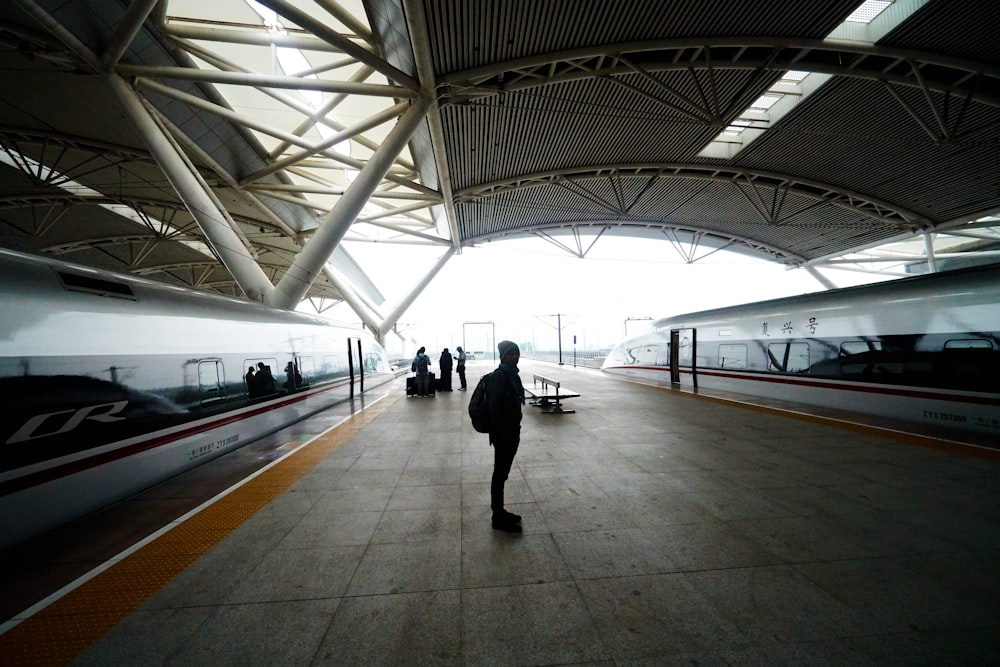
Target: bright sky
(520, 286)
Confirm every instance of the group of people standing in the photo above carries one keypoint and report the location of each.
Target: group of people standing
(259, 381)
(421, 367)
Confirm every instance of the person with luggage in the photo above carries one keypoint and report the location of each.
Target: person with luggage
(505, 396)
(421, 366)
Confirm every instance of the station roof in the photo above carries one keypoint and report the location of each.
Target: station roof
(810, 134)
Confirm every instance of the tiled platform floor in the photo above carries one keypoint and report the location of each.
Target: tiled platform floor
(659, 528)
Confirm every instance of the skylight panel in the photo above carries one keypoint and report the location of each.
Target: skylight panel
(764, 102)
(794, 86)
(270, 17)
(736, 127)
(868, 10)
(792, 77)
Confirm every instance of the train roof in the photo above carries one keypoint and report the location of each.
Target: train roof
(983, 276)
(25, 270)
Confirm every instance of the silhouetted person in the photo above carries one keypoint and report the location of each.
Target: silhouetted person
(505, 396)
(444, 363)
(265, 381)
(460, 367)
(252, 388)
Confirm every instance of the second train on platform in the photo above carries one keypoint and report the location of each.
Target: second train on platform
(924, 349)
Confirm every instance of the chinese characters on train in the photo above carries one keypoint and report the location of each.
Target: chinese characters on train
(790, 327)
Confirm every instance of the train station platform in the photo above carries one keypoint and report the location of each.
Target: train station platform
(659, 528)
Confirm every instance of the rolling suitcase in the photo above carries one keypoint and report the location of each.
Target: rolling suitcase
(431, 384)
(411, 386)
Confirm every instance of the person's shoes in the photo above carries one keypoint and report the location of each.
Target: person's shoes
(504, 514)
(506, 525)
(510, 516)
(504, 520)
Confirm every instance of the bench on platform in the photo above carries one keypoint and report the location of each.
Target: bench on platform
(548, 394)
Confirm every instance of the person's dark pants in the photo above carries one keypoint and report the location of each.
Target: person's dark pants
(445, 380)
(461, 376)
(503, 459)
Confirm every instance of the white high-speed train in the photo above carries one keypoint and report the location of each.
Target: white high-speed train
(111, 383)
(923, 349)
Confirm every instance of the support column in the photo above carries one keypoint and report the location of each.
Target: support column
(929, 251)
(351, 297)
(823, 280)
(397, 312)
(292, 287)
(213, 221)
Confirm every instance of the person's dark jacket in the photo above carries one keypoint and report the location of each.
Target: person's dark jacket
(505, 396)
(444, 363)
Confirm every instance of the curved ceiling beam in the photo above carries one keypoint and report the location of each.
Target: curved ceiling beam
(669, 231)
(139, 204)
(825, 193)
(12, 136)
(975, 81)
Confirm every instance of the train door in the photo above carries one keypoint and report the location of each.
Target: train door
(211, 383)
(683, 352)
(355, 362)
(675, 360)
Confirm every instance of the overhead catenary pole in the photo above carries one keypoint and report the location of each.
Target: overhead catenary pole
(634, 319)
(302, 273)
(493, 336)
(559, 326)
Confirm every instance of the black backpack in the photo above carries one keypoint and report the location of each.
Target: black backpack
(479, 410)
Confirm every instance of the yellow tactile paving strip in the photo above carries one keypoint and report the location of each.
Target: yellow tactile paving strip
(59, 632)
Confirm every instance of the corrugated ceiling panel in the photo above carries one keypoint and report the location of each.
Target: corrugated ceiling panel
(469, 33)
(966, 29)
(855, 132)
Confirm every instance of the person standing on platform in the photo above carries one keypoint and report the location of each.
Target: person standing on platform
(505, 396)
(460, 367)
(444, 363)
(422, 367)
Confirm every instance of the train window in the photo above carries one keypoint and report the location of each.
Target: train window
(77, 283)
(211, 381)
(732, 356)
(684, 351)
(331, 366)
(850, 347)
(651, 355)
(261, 381)
(968, 343)
(788, 357)
(307, 368)
(858, 357)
